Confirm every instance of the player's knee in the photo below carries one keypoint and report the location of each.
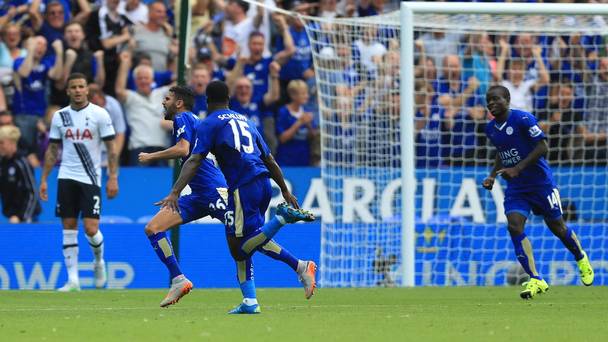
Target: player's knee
(515, 228)
(91, 229)
(151, 228)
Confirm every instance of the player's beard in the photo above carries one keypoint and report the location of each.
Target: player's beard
(170, 113)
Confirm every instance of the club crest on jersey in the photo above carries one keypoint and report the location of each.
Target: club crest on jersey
(509, 130)
(77, 134)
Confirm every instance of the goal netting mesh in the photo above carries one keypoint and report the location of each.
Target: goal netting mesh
(554, 66)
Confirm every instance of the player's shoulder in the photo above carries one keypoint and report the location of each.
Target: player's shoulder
(62, 114)
(63, 110)
(490, 124)
(97, 111)
(519, 114)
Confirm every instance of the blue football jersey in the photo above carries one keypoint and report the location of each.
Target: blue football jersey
(514, 139)
(236, 143)
(208, 177)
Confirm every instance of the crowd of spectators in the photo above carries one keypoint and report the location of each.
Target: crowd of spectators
(128, 51)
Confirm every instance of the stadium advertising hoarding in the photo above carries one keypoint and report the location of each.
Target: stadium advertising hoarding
(471, 250)
(454, 192)
(462, 254)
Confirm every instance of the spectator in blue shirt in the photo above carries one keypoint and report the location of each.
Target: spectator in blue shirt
(256, 66)
(464, 112)
(33, 73)
(295, 128)
(258, 110)
(12, 11)
(428, 126)
(51, 26)
(199, 79)
(299, 66)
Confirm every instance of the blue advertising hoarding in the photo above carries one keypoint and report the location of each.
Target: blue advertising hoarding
(458, 254)
(474, 250)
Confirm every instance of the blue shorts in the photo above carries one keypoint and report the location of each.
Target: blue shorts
(247, 207)
(545, 202)
(199, 204)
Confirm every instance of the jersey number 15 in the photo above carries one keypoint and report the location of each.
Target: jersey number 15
(243, 135)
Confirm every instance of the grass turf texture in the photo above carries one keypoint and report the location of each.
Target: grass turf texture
(421, 314)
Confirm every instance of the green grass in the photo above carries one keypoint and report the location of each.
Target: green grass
(421, 314)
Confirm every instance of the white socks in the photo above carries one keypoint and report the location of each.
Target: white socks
(96, 243)
(70, 254)
(301, 266)
(250, 301)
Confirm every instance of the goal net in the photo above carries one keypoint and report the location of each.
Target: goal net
(555, 67)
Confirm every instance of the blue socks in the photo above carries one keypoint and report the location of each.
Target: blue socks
(571, 242)
(164, 250)
(267, 232)
(271, 228)
(275, 251)
(244, 274)
(523, 251)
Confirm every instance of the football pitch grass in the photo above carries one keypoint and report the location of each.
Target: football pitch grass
(382, 314)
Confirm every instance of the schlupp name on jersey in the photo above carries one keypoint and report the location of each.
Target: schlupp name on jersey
(229, 116)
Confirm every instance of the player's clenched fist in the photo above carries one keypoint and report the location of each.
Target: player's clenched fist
(43, 191)
(488, 183)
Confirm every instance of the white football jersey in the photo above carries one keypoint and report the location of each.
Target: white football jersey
(82, 133)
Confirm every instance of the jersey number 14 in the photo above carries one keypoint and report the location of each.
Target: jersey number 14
(241, 136)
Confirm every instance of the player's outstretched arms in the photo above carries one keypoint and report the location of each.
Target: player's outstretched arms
(179, 150)
(185, 176)
(277, 175)
(50, 158)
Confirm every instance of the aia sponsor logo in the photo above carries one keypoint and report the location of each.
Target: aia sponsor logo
(77, 134)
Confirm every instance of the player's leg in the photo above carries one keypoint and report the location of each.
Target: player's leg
(517, 208)
(250, 204)
(523, 252)
(568, 237)
(242, 219)
(156, 232)
(244, 270)
(67, 209)
(551, 208)
(548, 203)
(306, 270)
(70, 254)
(521, 244)
(90, 201)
